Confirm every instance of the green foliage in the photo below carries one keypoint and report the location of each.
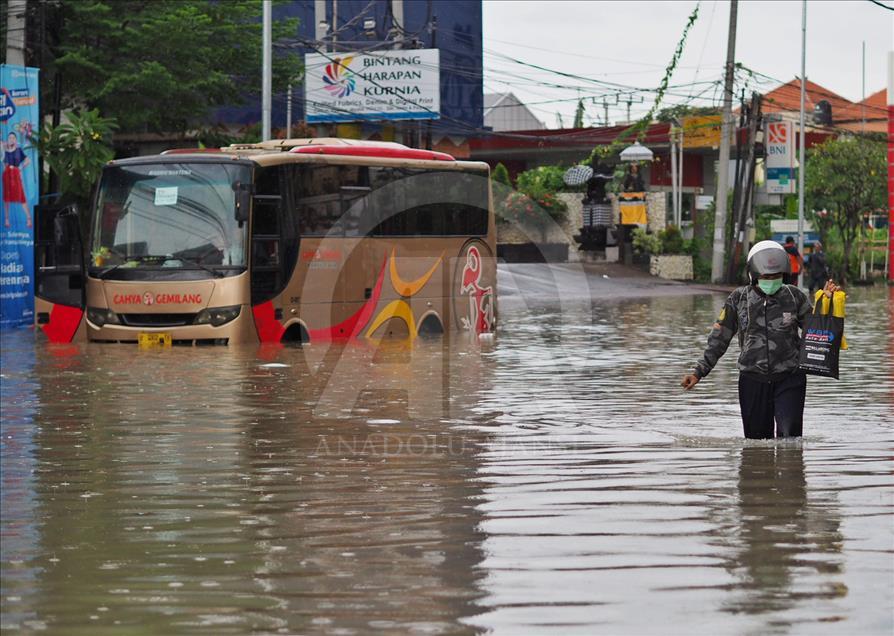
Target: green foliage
(646, 243)
(533, 210)
(77, 150)
(541, 180)
(671, 240)
(846, 177)
(162, 65)
(667, 241)
(500, 175)
(615, 185)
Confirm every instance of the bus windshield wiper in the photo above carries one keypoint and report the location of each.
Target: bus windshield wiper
(133, 259)
(214, 272)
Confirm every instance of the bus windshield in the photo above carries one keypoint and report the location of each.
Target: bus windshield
(172, 216)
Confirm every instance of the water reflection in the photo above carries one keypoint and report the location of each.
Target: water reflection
(174, 494)
(784, 536)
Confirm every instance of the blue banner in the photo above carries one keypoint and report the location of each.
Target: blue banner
(19, 122)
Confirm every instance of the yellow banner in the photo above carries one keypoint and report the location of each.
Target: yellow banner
(701, 131)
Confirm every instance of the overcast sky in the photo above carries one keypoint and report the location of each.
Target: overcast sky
(630, 43)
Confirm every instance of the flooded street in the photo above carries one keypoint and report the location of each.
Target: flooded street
(554, 479)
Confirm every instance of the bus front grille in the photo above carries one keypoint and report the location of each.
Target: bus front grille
(156, 320)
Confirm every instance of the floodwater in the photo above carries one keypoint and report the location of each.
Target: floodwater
(552, 480)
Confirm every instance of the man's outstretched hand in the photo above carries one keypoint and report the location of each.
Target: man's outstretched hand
(689, 381)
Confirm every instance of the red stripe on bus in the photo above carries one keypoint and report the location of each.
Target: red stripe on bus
(63, 324)
(269, 328)
(352, 326)
(374, 151)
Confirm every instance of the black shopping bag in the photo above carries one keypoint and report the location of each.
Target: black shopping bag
(821, 343)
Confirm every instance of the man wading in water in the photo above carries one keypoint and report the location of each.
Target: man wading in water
(767, 316)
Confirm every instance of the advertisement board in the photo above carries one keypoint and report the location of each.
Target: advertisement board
(382, 85)
(780, 157)
(701, 131)
(19, 121)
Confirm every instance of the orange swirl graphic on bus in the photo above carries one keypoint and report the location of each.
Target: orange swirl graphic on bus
(400, 309)
(405, 288)
(394, 309)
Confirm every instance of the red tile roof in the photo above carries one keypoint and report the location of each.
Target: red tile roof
(845, 113)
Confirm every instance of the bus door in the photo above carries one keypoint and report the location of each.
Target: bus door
(274, 248)
(59, 296)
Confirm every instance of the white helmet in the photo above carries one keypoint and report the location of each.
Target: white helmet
(768, 257)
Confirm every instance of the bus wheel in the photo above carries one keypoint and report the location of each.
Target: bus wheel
(296, 334)
(430, 326)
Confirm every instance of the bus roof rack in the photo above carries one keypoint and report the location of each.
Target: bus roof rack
(338, 146)
(390, 151)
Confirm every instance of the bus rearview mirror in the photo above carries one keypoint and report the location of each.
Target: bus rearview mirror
(243, 201)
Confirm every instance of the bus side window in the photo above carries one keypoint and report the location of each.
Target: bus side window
(270, 269)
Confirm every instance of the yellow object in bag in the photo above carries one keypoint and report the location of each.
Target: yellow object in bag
(837, 301)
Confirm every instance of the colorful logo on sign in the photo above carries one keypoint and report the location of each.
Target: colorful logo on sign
(777, 133)
(338, 78)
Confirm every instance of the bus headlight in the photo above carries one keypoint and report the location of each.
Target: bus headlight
(100, 317)
(217, 316)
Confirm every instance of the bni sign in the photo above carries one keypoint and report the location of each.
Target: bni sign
(384, 85)
(780, 157)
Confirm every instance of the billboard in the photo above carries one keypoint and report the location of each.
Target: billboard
(780, 157)
(19, 120)
(701, 131)
(383, 85)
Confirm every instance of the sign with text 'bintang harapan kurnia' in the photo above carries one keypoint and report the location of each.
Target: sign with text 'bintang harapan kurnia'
(382, 85)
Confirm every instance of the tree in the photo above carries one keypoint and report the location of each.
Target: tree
(162, 65)
(77, 150)
(846, 177)
(500, 175)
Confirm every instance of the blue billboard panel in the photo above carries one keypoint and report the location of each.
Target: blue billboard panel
(19, 122)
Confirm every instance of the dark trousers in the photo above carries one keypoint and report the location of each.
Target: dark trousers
(763, 402)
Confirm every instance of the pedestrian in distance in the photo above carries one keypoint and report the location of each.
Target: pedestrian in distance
(817, 268)
(767, 316)
(796, 261)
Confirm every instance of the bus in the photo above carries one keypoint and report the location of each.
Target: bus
(298, 240)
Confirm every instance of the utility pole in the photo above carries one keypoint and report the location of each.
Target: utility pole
(267, 70)
(723, 167)
(744, 187)
(802, 167)
(15, 32)
(863, 98)
(605, 109)
(289, 111)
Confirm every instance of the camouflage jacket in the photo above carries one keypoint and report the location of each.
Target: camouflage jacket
(768, 328)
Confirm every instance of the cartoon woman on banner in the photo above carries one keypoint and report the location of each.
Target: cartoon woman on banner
(14, 161)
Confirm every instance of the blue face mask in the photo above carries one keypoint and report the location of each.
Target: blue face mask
(769, 285)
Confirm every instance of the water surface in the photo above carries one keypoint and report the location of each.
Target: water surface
(552, 480)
